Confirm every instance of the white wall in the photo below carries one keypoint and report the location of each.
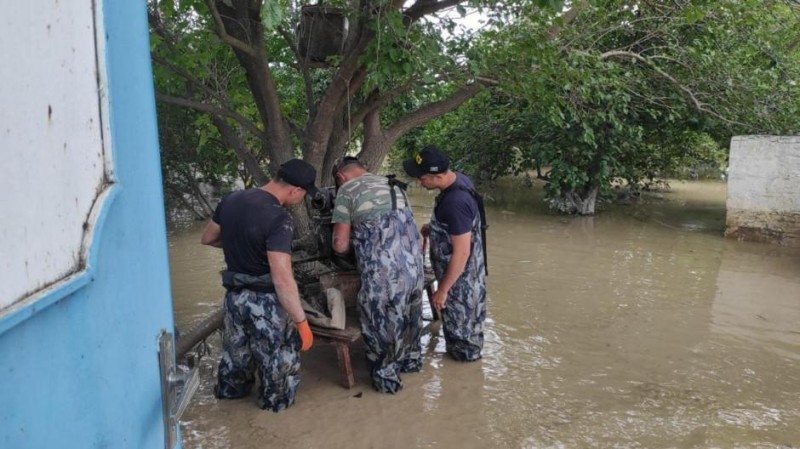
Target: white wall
(51, 142)
(764, 189)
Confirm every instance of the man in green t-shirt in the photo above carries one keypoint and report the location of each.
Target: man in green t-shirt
(373, 216)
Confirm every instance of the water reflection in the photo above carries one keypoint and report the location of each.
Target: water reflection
(641, 327)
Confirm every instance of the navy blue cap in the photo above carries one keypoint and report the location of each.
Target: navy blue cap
(299, 173)
(429, 161)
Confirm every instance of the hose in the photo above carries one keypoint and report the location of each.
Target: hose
(198, 332)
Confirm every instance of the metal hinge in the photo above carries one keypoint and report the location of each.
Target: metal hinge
(178, 384)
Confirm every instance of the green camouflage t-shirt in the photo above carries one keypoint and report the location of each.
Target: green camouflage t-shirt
(363, 198)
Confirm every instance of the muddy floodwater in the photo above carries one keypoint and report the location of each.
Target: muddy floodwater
(639, 328)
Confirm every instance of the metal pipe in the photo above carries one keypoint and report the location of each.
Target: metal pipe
(198, 332)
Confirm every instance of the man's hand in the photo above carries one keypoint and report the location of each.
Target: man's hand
(425, 230)
(439, 300)
(305, 335)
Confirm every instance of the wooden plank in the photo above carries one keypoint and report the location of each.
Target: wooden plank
(345, 368)
(341, 339)
(347, 335)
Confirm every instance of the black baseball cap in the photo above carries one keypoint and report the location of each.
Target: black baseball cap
(429, 161)
(299, 173)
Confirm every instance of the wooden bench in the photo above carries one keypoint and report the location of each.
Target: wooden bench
(341, 340)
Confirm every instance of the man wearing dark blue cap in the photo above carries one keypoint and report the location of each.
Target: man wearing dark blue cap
(264, 324)
(457, 253)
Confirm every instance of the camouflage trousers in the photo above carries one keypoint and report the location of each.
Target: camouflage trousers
(258, 336)
(390, 300)
(465, 311)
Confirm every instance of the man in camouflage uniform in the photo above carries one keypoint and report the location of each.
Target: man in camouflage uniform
(373, 213)
(457, 256)
(264, 320)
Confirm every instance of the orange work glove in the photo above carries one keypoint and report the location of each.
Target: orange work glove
(305, 335)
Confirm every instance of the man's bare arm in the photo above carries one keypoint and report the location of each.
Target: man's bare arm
(341, 238)
(458, 261)
(212, 235)
(280, 267)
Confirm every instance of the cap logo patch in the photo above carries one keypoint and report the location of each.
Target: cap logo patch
(435, 168)
(418, 159)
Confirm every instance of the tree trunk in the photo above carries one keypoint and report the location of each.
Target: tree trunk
(375, 145)
(244, 24)
(577, 202)
(337, 148)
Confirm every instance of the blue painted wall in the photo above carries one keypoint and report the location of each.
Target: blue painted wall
(83, 372)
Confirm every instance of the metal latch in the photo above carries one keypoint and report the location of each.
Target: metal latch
(178, 384)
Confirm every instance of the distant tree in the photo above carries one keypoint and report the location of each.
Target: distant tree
(627, 91)
(191, 157)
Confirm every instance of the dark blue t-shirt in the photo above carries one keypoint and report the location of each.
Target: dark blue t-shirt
(455, 208)
(253, 222)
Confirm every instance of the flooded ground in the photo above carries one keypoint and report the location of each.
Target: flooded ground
(639, 328)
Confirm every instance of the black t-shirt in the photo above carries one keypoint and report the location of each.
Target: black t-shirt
(253, 222)
(456, 208)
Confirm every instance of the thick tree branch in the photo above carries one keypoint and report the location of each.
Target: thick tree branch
(698, 105)
(377, 142)
(296, 129)
(422, 8)
(243, 22)
(157, 24)
(431, 111)
(233, 140)
(332, 102)
(223, 34)
(351, 76)
(308, 85)
(378, 100)
(195, 82)
(347, 80)
(213, 111)
(566, 19)
(627, 54)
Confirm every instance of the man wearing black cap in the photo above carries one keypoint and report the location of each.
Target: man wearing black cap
(457, 253)
(373, 213)
(265, 325)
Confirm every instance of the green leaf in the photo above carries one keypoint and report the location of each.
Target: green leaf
(271, 14)
(694, 14)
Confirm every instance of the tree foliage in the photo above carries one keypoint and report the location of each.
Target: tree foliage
(627, 90)
(594, 90)
(240, 62)
(242, 65)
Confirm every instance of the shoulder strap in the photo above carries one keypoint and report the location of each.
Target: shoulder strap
(393, 182)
